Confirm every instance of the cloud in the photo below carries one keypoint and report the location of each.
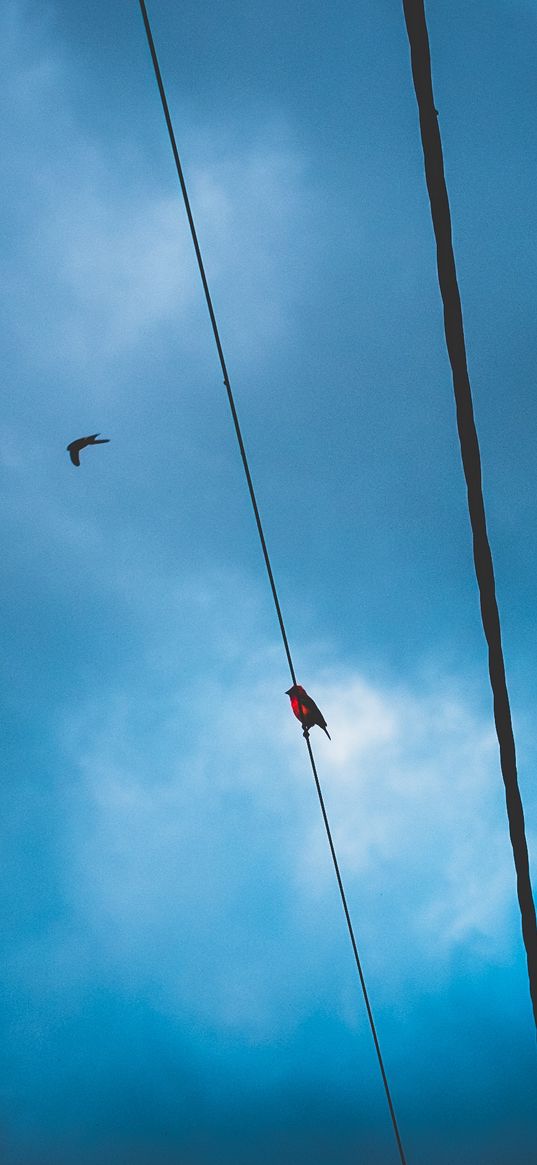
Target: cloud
(190, 808)
(194, 851)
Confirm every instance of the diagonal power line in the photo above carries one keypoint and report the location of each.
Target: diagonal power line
(453, 324)
(216, 334)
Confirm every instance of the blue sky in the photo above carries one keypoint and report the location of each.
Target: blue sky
(178, 983)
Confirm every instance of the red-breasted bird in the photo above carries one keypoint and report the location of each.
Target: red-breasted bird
(74, 448)
(305, 709)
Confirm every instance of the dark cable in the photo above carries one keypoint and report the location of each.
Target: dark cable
(454, 330)
(179, 168)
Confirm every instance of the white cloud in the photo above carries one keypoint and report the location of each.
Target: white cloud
(196, 857)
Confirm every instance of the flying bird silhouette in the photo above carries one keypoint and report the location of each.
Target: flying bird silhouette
(305, 709)
(75, 447)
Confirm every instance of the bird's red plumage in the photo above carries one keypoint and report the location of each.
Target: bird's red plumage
(305, 709)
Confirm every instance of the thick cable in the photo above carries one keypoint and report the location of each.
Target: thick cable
(244, 458)
(454, 331)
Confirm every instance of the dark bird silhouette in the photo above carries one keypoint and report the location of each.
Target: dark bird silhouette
(74, 448)
(305, 709)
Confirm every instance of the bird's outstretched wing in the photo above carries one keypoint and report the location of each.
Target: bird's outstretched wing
(74, 448)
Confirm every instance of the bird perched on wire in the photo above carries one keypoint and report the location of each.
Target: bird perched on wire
(74, 448)
(306, 710)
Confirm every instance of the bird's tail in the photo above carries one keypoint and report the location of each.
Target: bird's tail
(326, 730)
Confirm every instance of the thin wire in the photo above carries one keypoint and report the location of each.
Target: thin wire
(454, 330)
(355, 951)
(238, 432)
(216, 333)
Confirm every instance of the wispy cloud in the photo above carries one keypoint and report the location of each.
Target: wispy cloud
(109, 249)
